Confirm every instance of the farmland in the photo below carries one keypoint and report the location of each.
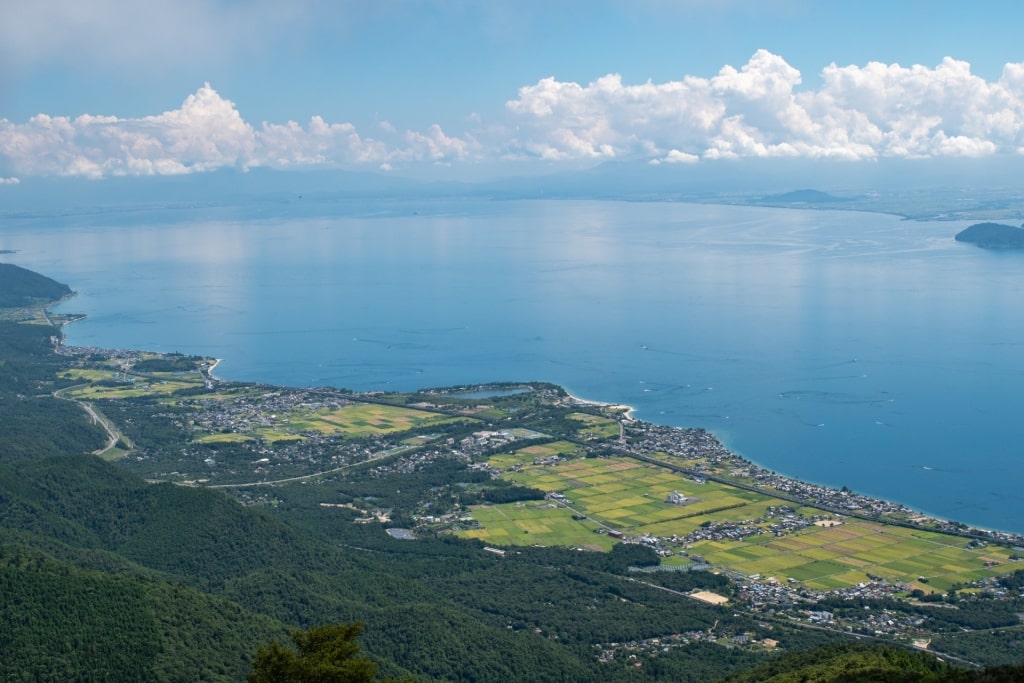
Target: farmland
(732, 529)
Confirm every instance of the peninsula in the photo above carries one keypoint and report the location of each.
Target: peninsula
(496, 531)
(993, 236)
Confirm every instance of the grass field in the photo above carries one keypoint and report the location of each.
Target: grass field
(218, 437)
(596, 427)
(363, 419)
(526, 456)
(536, 523)
(630, 496)
(88, 374)
(135, 390)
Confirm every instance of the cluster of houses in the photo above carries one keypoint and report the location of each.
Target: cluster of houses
(637, 650)
(644, 437)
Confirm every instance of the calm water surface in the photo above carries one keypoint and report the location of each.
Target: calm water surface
(843, 348)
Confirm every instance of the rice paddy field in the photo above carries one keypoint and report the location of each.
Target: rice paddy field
(536, 523)
(629, 496)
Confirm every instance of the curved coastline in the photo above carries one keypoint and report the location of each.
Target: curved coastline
(628, 413)
(951, 512)
(920, 518)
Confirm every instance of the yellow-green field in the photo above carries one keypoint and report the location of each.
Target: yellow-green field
(596, 427)
(630, 496)
(535, 523)
(526, 456)
(363, 419)
(136, 389)
(88, 374)
(824, 558)
(218, 437)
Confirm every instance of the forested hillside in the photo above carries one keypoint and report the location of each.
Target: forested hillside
(21, 287)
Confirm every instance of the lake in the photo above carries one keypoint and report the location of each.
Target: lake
(837, 347)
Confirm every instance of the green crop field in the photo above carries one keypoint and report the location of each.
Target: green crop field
(630, 496)
(526, 456)
(135, 390)
(825, 558)
(597, 427)
(89, 374)
(537, 523)
(218, 437)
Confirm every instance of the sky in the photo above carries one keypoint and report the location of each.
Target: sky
(95, 89)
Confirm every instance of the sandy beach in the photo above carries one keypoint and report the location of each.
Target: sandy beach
(626, 409)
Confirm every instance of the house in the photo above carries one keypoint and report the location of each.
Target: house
(676, 498)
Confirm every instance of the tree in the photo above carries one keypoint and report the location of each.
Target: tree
(325, 654)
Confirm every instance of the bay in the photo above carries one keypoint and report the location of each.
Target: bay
(849, 349)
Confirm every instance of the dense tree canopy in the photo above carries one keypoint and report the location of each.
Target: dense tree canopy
(322, 654)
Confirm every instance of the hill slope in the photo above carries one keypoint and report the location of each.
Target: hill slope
(992, 236)
(21, 287)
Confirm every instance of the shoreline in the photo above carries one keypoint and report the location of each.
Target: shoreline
(628, 413)
(626, 409)
(920, 518)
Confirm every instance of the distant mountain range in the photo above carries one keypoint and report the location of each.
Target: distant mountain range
(802, 197)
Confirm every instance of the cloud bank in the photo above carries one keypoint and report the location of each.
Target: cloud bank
(206, 133)
(759, 110)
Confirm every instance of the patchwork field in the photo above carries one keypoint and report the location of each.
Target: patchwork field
(631, 497)
(824, 558)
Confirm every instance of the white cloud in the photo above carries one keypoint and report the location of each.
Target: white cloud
(760, 110)
(674, 156)
(435, 146)
(9, 181)
(207, 132)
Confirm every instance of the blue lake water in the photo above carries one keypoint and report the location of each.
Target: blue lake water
(842, 348)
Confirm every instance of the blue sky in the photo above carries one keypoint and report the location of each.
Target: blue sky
(396, 86)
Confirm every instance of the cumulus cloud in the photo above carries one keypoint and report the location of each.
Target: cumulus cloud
(207, 132)
(761, 110)
(9, 181)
